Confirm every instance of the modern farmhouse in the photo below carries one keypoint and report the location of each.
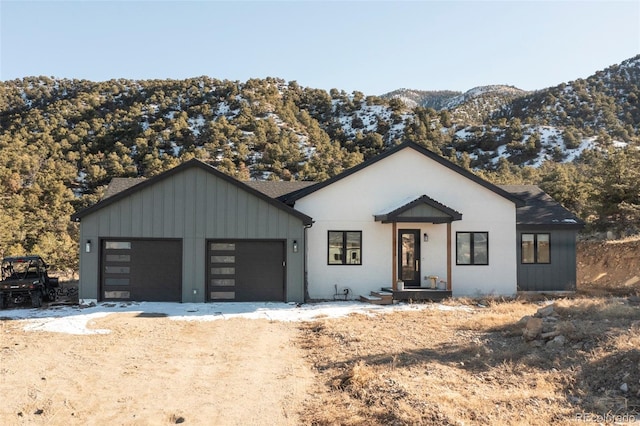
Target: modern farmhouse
(407, 219)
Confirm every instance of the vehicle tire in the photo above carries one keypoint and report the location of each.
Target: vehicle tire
(36, 299)
(3, 301)
(51, 295)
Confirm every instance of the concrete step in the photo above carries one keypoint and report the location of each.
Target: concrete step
(387, 297)
(371, 299)
(378, 298)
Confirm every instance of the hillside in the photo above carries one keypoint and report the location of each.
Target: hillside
(436, 99)
(62, 141)
(471, 107)
(609, 267)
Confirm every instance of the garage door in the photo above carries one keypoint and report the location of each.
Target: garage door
(246, 271)
(142, 270)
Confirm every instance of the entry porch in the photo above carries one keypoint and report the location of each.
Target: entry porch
(408, 246)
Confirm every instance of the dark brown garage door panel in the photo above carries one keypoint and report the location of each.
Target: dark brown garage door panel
(142, 270)
(246, 271)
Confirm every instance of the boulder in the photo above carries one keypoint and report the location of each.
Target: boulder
(557, 341)
(532, 329)
(545, 311)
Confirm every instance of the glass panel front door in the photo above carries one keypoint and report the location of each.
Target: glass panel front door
(409, 257)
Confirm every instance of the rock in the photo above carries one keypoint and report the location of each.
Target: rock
(566, 328)
(533, 329)
(546, 311)
(536, 343)
(548, 326)
(624, 388)
(523, 321)
(550, 334)
(557, 341)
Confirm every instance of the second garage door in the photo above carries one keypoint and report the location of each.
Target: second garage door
(246, 271)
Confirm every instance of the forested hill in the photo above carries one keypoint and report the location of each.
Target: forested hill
(61, 140)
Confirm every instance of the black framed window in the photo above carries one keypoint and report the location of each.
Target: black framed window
(345, 248)
(535, 248)
(472, 248)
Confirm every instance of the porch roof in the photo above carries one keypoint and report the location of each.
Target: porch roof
(422, 209)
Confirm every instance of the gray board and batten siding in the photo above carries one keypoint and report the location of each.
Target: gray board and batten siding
(557, 275)
(541, 214)
(196, 205)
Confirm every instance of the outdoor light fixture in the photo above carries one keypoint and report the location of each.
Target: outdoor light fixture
(425, 237)
(295, 246)
(87, 246)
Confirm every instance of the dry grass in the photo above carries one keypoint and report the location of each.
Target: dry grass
(472, 366)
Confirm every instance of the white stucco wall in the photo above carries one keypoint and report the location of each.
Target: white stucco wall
(351, 203)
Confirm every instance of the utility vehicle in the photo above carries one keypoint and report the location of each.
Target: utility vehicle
(24, 278)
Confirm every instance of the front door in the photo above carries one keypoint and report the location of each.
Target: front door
(409, 257)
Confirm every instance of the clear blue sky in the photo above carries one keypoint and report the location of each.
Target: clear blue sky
(373, 47)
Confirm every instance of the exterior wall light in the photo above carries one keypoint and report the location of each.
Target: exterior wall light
(87, 246)
(295, 246)
(425, 237)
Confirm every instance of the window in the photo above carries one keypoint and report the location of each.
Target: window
(536, 248)
(345, 248)
(117, 245)
(472, 248)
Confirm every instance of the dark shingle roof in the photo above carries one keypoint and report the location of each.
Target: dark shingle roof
(120, 184)
(275, 188)
(540, 209)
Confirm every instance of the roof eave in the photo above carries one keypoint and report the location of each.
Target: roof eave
(550, 226)
(421, 219)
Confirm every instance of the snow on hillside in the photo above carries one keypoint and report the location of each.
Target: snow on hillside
(551, 142)
(366, 119)
(482, 91)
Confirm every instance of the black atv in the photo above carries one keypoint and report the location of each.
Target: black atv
(26, 277)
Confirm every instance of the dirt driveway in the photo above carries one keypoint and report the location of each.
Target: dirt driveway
(152, 370)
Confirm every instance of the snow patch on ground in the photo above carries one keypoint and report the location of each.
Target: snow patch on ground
(77, 319)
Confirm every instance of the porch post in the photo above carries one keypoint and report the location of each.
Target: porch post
(394, 256)
(449, 256)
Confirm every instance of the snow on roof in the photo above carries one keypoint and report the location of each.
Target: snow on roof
(75, 319)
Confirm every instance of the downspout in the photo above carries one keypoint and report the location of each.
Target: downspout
(394, 256)
(304, 262)
(449, 258)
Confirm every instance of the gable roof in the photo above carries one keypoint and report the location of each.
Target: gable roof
(541, 210)
(422, 209)
(277, 188)
(119, 184)
(294, 196)
(76, 217)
